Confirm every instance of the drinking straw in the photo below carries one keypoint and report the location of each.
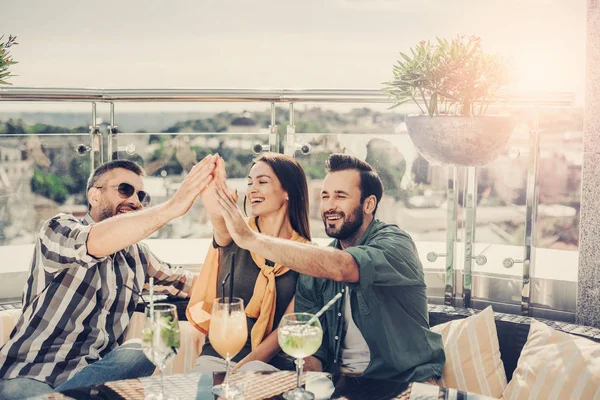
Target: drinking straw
(232, 273)
(325, 308)
(136, 292)
(223, 284)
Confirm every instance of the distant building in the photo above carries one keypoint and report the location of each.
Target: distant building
(14, 167)
(15, 191)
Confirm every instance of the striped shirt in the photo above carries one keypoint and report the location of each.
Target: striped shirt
(76, 307)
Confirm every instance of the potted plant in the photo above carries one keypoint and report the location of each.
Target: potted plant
(5, 58)
(453, 83)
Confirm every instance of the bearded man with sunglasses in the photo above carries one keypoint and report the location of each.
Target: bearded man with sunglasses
(84, 284)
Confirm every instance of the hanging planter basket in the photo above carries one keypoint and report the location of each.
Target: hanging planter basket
(457, 140)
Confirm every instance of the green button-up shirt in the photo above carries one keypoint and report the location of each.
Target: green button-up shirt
(389, 307)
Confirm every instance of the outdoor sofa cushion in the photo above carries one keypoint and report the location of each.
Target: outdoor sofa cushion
(473, 360)
(555, 365)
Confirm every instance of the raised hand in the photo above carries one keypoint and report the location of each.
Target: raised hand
(232, 215)
(194, 183)
(208, 195)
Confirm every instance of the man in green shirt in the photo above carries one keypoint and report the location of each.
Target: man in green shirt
(380, 329)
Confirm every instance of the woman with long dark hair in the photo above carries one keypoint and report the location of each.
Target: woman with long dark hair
(277, 204)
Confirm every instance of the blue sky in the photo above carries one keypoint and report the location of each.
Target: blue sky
(280, 44)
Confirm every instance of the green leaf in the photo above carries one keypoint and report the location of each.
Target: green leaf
(446, 73)
(407, 58)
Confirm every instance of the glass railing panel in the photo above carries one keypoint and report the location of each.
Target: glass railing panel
(40, 176)
(555, 270)
(415, 196)
(559, 181)
(200, 118)
(68, 115)
(500, 216)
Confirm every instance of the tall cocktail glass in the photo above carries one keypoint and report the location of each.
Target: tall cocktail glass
(160, 341)
(228, 333)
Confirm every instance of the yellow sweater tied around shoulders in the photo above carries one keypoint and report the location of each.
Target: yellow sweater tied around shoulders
(264, 298)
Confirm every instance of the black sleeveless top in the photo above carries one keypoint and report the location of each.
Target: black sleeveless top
(246, 273)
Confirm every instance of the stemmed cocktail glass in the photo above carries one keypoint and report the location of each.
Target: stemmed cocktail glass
(228, 334)
(299, 335)
(160, 341)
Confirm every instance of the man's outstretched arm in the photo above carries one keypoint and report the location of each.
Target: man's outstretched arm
(307, 259)
(320, 262)
(116, 233)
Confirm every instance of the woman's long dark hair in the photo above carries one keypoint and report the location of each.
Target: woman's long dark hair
(293, 180)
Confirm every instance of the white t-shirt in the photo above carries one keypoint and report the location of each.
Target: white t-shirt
(355, 351)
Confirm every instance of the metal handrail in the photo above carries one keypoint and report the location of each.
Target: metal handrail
(250, 95)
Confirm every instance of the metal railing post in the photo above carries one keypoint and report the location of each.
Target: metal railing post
(290, 135)
(273, 135)
(531, 208)
(112, 131)
(451, 227)
(470, 222)
(95, 141)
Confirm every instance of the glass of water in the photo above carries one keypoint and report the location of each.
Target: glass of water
(160, 341)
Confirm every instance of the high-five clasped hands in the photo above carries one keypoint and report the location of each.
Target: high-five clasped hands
(220, 201)
(208, 195)
(195, 183)
(232, 215)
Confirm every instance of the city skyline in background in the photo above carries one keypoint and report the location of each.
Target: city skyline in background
(269, 44)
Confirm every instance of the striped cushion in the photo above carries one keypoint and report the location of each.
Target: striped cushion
(8, 320)
(555, 365)
(473, 355)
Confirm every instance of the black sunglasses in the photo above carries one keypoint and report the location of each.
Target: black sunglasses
(126, 191)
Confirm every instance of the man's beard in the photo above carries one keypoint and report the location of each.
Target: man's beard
(106, 213)
(106, 210)
(351, 224)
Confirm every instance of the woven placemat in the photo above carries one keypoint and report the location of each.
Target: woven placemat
(258, 386)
